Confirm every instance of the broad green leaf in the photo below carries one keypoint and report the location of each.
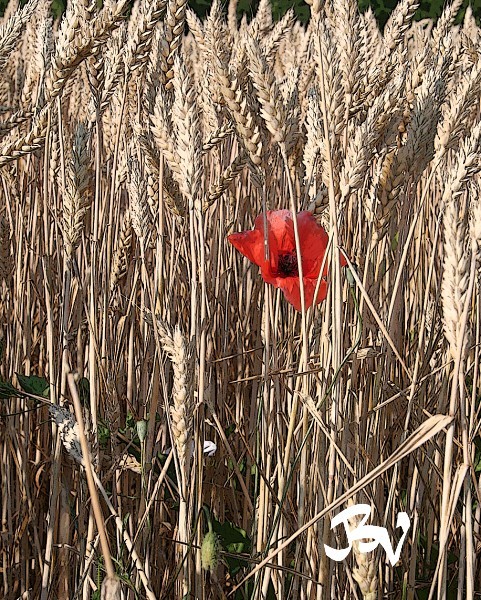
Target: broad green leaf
(38, 386)
(7, 390)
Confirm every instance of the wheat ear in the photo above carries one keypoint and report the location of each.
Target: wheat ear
(75, 196)
(11, 30)
(174, 27)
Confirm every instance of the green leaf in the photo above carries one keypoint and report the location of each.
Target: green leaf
(103, 433)
(130, 421)
(477, 455)
(395, 241)
(38, 386)
(234, 540)
(84, 392)
(230, 430)
(7, 390)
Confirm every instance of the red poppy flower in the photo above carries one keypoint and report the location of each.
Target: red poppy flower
(281, 269)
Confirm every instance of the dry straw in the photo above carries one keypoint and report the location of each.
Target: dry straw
(132, 145)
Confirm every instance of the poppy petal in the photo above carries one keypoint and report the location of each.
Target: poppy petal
(268, 275)
(250, 244)
(281, 228)
(314, 240)
(322, 293)
(281, 234)
(279, 223)
(291, 289)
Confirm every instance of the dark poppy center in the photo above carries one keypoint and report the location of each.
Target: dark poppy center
(287, 265)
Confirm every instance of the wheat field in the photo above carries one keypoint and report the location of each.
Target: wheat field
(171, 427)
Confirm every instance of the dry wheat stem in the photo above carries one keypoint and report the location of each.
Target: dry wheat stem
(88, 471)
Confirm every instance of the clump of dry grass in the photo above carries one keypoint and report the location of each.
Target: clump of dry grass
(130, 149)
